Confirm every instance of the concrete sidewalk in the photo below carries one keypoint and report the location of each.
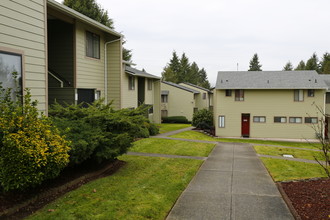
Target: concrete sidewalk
(231, 184)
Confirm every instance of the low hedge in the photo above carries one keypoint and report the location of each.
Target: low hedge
(175, 119)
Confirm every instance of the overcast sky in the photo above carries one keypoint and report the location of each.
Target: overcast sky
(218, 34)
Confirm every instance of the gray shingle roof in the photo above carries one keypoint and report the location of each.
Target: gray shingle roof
(181, 87)
(136, 72)
(270, 80)
(198, 87)
(326, 78)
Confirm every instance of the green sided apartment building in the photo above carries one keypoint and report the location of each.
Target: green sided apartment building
(270, 104)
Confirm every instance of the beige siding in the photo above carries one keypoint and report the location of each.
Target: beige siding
(115, 73)
(129, 97)
(149, 94)
(268, 103)
(200, 102)
(23, 31)
(180, 102)
(89, 71)
(156, 101)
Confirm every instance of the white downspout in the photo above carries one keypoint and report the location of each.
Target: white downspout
(106, 69)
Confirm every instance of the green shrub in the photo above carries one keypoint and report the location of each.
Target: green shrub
(98, 132)
(31, 149)
(203, 119)
(175, 119)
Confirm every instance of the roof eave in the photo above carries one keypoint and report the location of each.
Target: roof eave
(82, 17)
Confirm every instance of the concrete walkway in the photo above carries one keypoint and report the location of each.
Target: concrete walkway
(231, 184)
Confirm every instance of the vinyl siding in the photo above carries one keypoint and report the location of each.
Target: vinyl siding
(200, 102)
(149, 94)
(268, 103)
(156, 102)
(129, 97)
(180, 102)
(115, 73)
(23, 30)
(89, 71)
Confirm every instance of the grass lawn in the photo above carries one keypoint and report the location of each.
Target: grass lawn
(145, 188)
(297, 153)
(164, 128)
(195, 135)
(285, 170)
(165, 146)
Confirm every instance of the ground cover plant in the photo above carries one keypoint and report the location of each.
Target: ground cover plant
(195, 135)
(165, 146)
(164, 128)
(98, 132)
(31, 149)
(297, 153)
(145, 188)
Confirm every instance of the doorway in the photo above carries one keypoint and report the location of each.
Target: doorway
(141, 91)
(245, 125)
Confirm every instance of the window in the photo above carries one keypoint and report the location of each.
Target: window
(298, 95)
(327, 98)
(295, 120)
(310, 92)
(97, 94)
(131, 82)
(164, 113)
(279, 119)
(311, 120)
(221, 121)
(228, 92)
(164, 98)
(11, 72)
(92, 45)
(239, 95)
(195, 110)
(204, 95)
(149, 84)
(259, 119)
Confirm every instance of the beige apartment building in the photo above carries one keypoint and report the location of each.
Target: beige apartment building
(270, 104)
(183, 99)
(139, 87)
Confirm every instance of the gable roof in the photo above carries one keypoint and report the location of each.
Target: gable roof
(181, 87)
(82, 17)
(136, 72)
(270, 80)
(198, 87)
(326, 79)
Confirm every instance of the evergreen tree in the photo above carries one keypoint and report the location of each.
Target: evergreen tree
(288, 66)
(254, 63)
(312, 63)
(301, 66)
(93, 10)
(325, 64)
(180, 70)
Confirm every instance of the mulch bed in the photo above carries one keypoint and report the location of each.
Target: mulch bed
(17, 205)
(310, 198)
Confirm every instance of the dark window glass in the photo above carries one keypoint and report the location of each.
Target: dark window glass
(92, 45)
(239, 95)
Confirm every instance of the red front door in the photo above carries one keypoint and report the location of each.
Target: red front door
(245, 125)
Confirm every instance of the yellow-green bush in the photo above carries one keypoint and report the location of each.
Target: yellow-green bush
(31, 149)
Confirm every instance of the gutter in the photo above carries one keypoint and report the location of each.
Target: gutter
(106, 69)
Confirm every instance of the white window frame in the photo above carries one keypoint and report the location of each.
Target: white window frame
(131, 82)
(295, 120)
(259, 119)
(221, 121)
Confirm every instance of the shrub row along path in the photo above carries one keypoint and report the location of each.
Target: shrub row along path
(231, 184)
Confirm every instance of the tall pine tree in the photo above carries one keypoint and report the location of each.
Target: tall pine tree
(288, 66)
(254, 63)
(180, 70)
(325, 64)
(301, 66)
(313, 63)
(93, 10)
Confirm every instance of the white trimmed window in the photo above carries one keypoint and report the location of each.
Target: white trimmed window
(259, 119)
(164, 98)
(298, 95)
(279, 119)
(297, 120)
(221, 121)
